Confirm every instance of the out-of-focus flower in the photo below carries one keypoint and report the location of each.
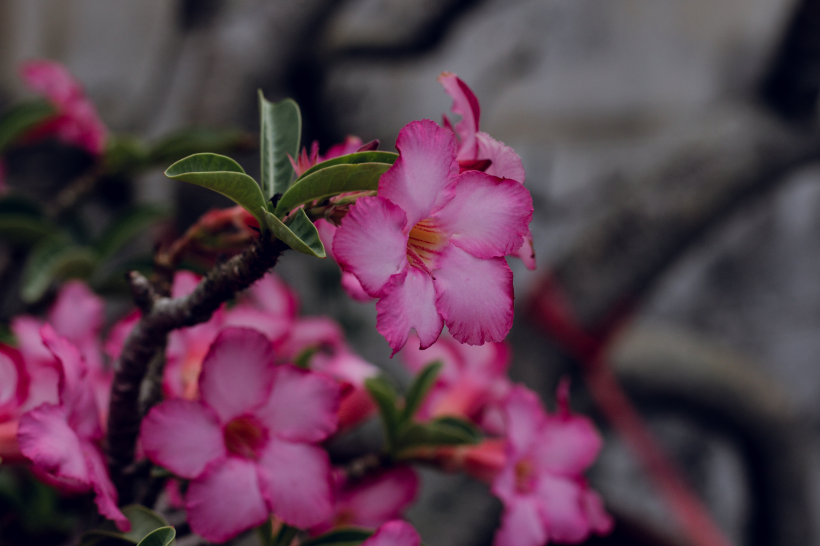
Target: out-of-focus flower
(545, 495)
(76, 121)
(482, 461)
(472, 383)
(373, 500)
(62, 439)
(14, 383)
(249, 445)
(394, 533)
(476, 148)
(432, 239)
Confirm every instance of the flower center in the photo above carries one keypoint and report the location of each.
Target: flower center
(524, 476)
(424, 245)
(245, 436)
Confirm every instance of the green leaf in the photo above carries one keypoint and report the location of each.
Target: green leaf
(25, 229)
(143, 521)
(439, 432)
(20, 118)
(159, 537)
(222, 175)
(280, 132)
(52, 259)
(299, 234)
(385, 396)
(190, 140)
(127, 226)
(331, 181)
(98, 537)
(373, 156)
(340, 537)
(418, 390)
(125, 155)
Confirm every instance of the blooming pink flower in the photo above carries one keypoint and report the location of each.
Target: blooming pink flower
(432, 240)
(14, 384)
(350, 284)
(76, 121)
(542, 487)
(476, 146)
(62, 439)
(249, 445)
(394, 533)
(472, 383)
(373, 500)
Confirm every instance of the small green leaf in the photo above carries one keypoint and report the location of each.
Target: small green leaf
(439, 432)
(374, 156)
(385, 396)
(299, 234)
(52, 259)
(418, 390)
(222, 175)
(331, 181)
(19, 119)
(127, 226)
(159, 537)
(280, 132)
(25, 229)
(340, 537)
(143, 521)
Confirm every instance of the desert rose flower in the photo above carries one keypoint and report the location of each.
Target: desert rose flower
(434, 239)
(14, 383)
(62, 439)
(394, 533)
(249, 445)
(542, 487)
(476, 147)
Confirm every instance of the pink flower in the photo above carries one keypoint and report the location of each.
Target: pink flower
(14, 385)
(476, 146)
(372, 501)
(542, 488)
(76, 121)
(350, 284)
(432, 240)
(472, 383)
(249, 445)
(62, 439)
(394, 533)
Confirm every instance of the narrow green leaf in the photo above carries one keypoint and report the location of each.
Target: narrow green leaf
(127, 226)
(373, 156)
(418, 390)
(97, 537)
(159, 537)
(222, 175)
(20, 118)
(52, 259)
(385, 396)
(281, 130)
(331, 181)
(143, 521)
(299, 234)
(340, 537)
(25, 229)
(439, 432)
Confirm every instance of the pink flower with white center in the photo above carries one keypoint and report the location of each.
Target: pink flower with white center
(545, 495)
(394, 533)
(62, 440)
(472, 383)
(76, 121)
(477, 147)
(249, 444)
(431, 244)
(371, 501)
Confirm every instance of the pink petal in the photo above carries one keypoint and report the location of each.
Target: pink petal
(521, 525)
(51, 80)
(353, 287)
(394, 533)
(422, 179)
(9, 446)
(371, 244)
(568, 445)
(105, 493)
(351, 144)
(445, 349)
(274, 327)
(274, 296)
(237, 373)
(562, 508)
(505, 162)
(53, 447)
(296, 481)
(466, 105)
(409, 303)
(326, 233)
(311, 333)
(599, 521)
(524, 418)
(380, 498)
(302, 405)
(184, 283)
(526, 253)
(77, 313)
(459, 281)
(119, 333)
(13, 382)
(182, 436)
(226, 500)
(488, 216)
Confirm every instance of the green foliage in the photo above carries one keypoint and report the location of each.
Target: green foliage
(280, 133)
(386, 398)
(147, 529)
(20, 118)
(330, 181)
(299, 234)
(340, 537)
(222, 175)
(419, 389)
(126, 227)
(373, 156)
(54, 258)
(159, 537)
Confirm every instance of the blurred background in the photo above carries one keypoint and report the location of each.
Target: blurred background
(673, 156)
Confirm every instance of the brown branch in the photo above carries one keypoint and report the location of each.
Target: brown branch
(148, 339)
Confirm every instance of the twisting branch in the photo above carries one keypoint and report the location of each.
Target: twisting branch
(160, 316)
